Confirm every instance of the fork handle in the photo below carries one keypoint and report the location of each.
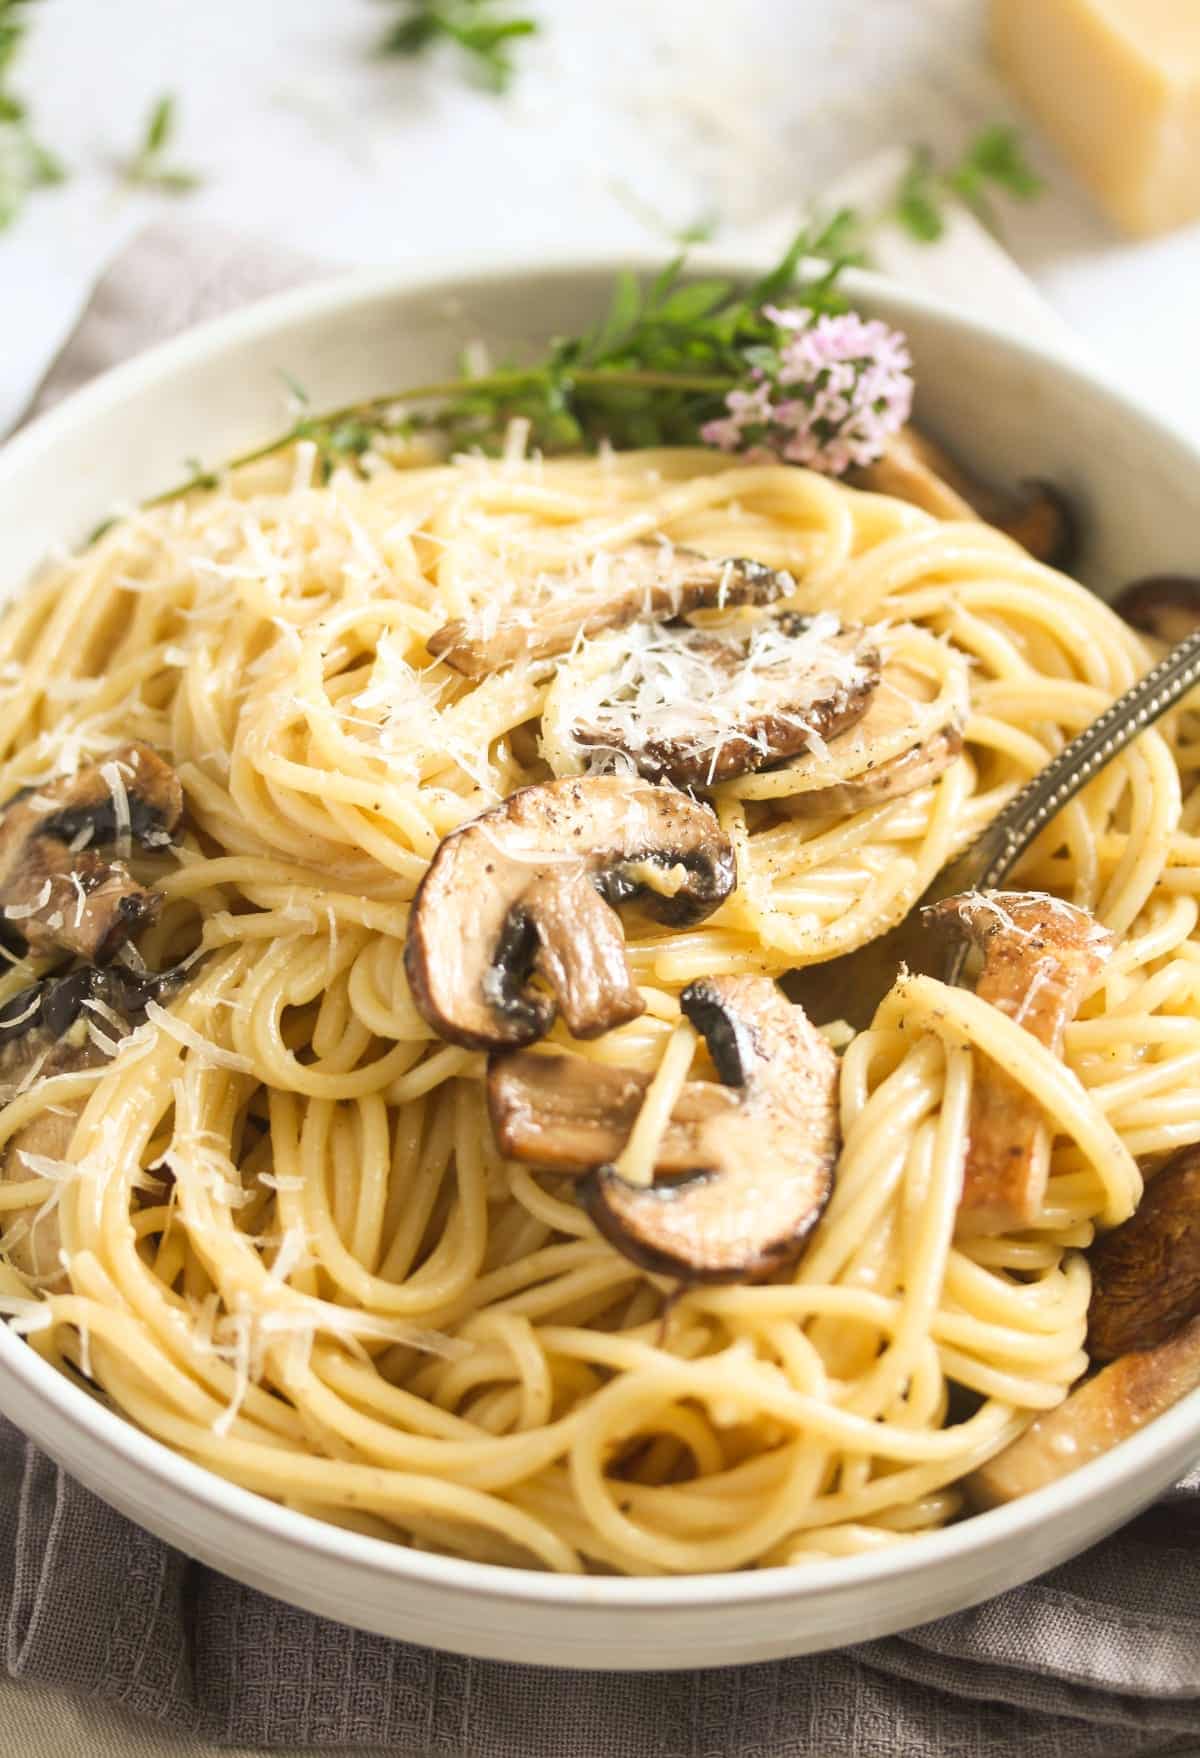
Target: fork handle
(993, 854)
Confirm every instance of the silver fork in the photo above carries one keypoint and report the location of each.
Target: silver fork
(851, 987)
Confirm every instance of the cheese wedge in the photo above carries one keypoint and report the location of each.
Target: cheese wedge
(1116, 84)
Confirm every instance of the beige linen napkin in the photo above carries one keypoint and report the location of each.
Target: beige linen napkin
(1099, 1659)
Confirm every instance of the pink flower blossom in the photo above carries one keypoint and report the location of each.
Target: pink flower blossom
(839, 389)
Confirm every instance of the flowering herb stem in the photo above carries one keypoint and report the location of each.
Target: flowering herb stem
(676, 362)
(372, 417)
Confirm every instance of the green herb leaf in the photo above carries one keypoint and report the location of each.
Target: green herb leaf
(47, 166)
(160, 125)
(13, 26)
(146, 168)
(701, 230)
(919, 198)
(296, 390)
(994, 161)
(998, 156)
(841, 238)
(25, 164)
(623, 313)
(687, 305)
(473, 26)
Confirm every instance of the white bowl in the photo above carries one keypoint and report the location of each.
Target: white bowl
(1015, 410)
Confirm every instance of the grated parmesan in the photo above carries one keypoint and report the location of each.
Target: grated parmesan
(195, 1041)
(667, 685)
(20, 912)
(123, 838)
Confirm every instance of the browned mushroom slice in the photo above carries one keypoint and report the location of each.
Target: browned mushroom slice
(763, 1169)
(1040, 957)
(645, 580)
(567, 1115)
(1116, 1403)
(916, 469)
(58, 892)
(58, 1026)
(1146, 1272)
(877, 771)
(1166, 606)
(697, 708)
(530, 886)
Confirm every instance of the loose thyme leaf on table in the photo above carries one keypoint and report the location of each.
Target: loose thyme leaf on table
(147, 167)
(780, 368)
(993, 162)
(483, 36)
(25, 164)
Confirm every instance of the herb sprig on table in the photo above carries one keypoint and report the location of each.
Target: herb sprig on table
(147, 167)
(993, 163)
(483, 35)
(25, 164)
(780, 367)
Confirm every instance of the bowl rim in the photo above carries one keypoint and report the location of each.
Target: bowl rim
(1143, 1456)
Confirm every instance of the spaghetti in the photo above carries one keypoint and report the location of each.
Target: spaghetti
(290, 1246)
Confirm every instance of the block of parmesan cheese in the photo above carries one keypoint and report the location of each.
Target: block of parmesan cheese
(1116, 83)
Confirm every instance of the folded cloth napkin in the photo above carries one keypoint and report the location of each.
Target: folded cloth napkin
(1099, 1659)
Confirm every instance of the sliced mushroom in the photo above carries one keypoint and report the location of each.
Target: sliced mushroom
(58, 1026)
(645, 580)
(1166, 606)
(1116, 1403)
(1146, 1272)
(696, 708)
(763, 1169)
(58, 892)
(1040, 958)
(874, 769)
(567, 1115)
(916, 469)
(530, 887)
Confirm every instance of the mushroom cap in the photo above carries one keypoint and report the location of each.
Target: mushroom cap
(1146, 1272)
(1041, 955)
(44, 1031)
(1166, 606)
(565, 1114)
(893, 750)
(43, 1025)
(914, 468)
(698, 707)
(58, 892)
(531, 884)
(616, 587)
(1097, 1414)
(1044, 522)
(763, 1170)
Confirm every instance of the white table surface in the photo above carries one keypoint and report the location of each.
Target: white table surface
(629, 118)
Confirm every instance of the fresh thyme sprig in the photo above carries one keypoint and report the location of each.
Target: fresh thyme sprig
(655, 370)
(993, 162)
(25, 164)
(482, 35)
(147, 166)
